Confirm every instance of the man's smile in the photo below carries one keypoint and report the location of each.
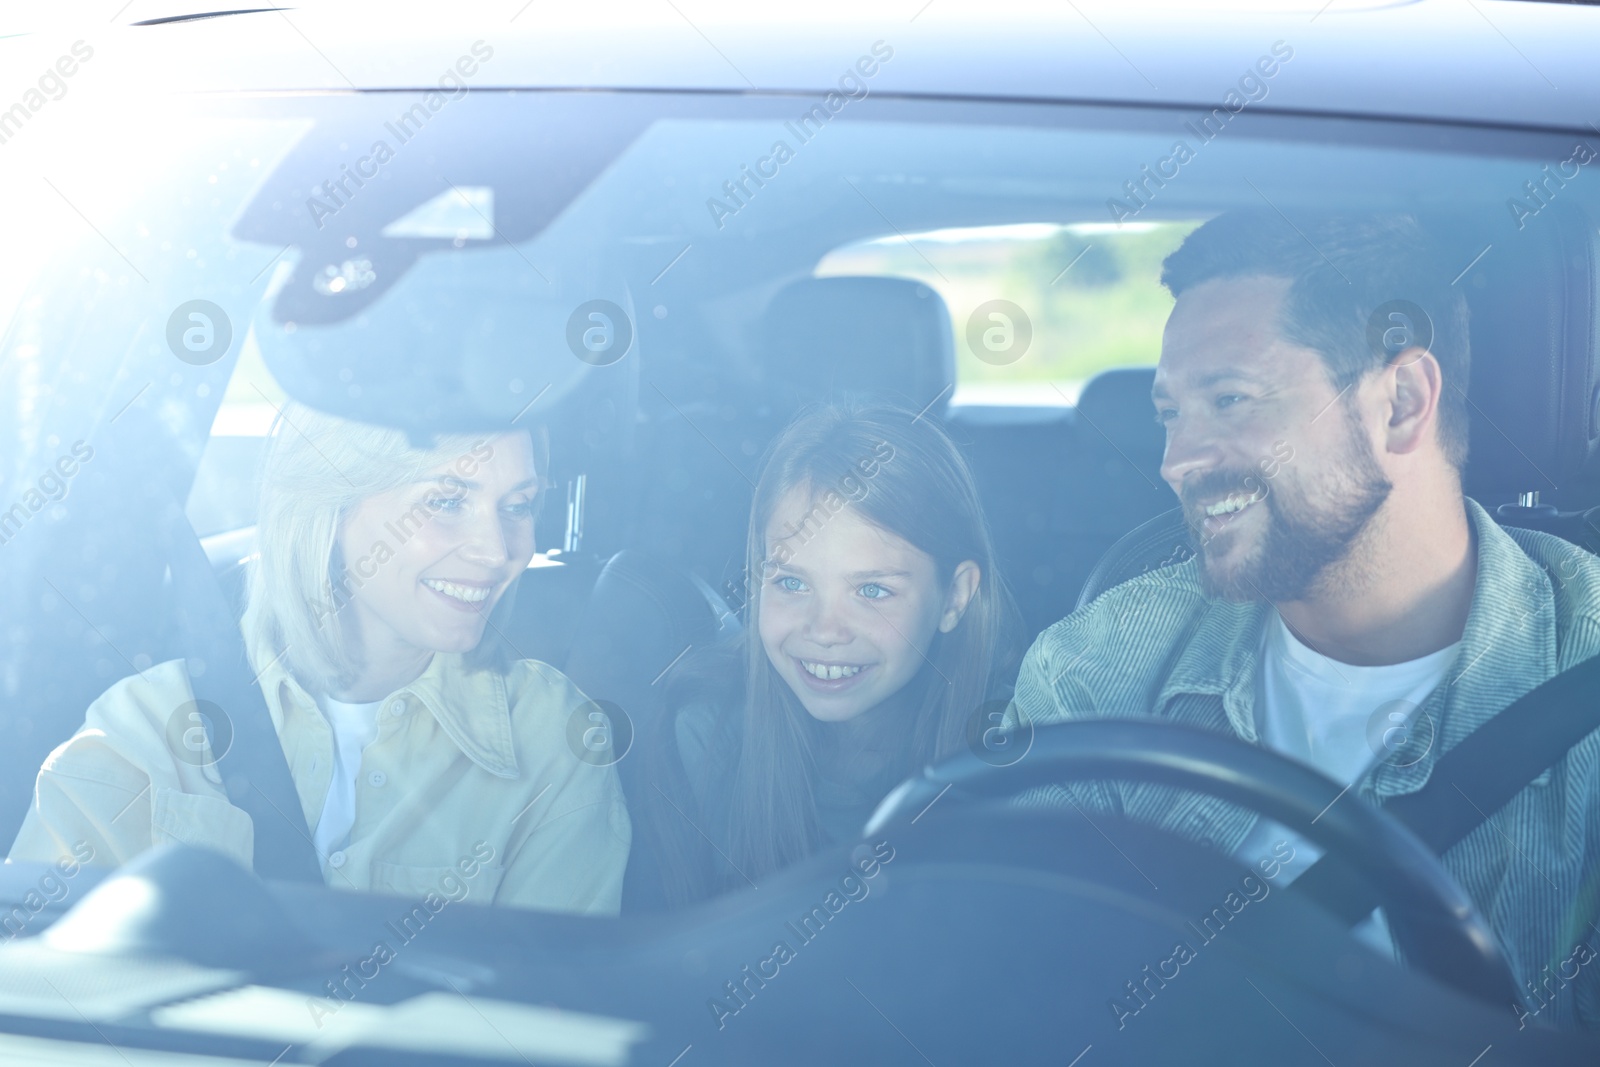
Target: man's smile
(1233, 502)
(1214, 514)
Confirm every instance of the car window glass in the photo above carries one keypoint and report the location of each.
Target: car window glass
(1036, 308)
(223, 497)
(602, 265)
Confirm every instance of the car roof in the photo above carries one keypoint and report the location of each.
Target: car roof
(1482, 62)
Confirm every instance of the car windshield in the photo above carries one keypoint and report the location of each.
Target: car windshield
(398, 265)
(498, 453)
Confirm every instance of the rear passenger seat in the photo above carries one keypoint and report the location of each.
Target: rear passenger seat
(1060, 486)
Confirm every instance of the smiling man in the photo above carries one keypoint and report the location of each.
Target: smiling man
(1347, 605)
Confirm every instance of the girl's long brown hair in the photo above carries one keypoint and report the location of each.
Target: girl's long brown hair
(924, 493)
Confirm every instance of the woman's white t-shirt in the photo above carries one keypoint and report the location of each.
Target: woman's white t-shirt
(355, 726)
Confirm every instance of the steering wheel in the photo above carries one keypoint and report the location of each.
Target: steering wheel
(1430, 915)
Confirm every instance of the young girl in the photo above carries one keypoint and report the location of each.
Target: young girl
(419, 750)
(873, 635)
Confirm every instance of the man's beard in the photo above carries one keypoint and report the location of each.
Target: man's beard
(1303, 538)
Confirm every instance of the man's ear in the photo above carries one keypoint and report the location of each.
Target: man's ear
(1413, 386)
(963, 587)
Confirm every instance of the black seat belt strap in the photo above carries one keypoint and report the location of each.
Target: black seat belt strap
(1478, 777)
(251, 763)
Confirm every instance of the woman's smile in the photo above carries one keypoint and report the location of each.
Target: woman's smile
(434, 589)
(472, 597)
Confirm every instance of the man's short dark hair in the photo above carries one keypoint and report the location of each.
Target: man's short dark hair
(1342, 269)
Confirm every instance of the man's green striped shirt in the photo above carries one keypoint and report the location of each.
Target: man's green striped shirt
(1157, 646)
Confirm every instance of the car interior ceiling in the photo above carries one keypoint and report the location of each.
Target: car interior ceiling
(659, 569)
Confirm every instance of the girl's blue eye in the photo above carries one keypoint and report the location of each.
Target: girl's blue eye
(874, 591)
(790, 584)
(1227, 400)
(520, 510)
(449, 504)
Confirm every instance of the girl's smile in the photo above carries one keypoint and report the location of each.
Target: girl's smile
(833, 677)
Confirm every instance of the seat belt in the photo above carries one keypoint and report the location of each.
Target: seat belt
(252, 765)
(1475, 779)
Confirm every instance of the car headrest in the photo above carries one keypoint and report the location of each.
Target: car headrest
(1533, 395)
(886, 339)
(1115, 412)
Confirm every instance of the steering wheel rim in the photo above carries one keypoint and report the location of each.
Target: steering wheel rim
(1430, 915)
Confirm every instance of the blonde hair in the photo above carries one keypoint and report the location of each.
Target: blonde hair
(317, 469)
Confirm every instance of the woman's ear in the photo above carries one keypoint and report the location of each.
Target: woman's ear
(963, 587)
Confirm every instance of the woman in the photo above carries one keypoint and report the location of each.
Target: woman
(419, 749)
(875, 631)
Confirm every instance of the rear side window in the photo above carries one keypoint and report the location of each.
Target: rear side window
(1036, 308)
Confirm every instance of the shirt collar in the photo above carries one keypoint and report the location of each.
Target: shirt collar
(1220, 656)
(1510, 637)
(470, 705)
(1508, 646)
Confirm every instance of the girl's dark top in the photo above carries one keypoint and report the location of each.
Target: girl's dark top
(853, 767)
(849, 776)
(856, 763)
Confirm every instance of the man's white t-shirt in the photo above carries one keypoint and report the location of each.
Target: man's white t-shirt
(355, 726)
(1339, 719)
